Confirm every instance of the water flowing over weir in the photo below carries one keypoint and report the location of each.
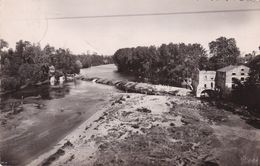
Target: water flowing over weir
(34, 119)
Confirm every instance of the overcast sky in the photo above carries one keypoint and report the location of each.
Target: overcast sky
(25, 19)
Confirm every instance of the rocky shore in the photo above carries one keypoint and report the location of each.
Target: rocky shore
(139, 129)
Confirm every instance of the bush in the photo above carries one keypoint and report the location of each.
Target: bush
(10, 83)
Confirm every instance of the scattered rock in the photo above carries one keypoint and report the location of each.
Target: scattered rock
(71, 157)
(67, 144)
(136, 126)
(143, 109)
(100, 118)
(126, 113)
(53, 157)
(87, 127)
(172, 124)
(103, 146)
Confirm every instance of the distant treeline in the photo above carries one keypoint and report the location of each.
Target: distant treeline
(29, 63)
(89, 60)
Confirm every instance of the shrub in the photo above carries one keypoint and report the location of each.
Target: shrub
(10, 83)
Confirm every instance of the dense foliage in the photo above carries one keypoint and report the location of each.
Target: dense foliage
(29, 63)
(167, 64)
(224, 52)
(249, 93)
(89, 60)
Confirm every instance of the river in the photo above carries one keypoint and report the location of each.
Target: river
(45, 115)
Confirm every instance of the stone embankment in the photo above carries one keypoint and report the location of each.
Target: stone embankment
(143, 88)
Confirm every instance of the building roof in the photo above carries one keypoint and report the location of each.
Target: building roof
(228, 68)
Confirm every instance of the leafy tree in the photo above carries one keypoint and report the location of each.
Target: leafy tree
(249, 93)
(3, 44)
(29, 63)
(224, 52)
(167, 64)
(94, 60)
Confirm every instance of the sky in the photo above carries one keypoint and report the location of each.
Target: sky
(28, 20)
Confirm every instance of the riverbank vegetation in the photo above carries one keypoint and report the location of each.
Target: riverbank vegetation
(89, 60)
(248, 94)
(29, 63)
(167, 64)
(170, 64)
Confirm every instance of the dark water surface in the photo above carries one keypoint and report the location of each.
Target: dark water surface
(34, 119)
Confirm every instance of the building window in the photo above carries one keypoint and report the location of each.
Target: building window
(242, 79)
(205, 77)
(242, 69)
(211, 85)
(212, 78)
(205, 85)
(242, 74)
(233, 74)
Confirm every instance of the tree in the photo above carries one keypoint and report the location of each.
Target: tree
(29, 63)
(249, 93)
(224, 52)
(168, 64)
(3, 44)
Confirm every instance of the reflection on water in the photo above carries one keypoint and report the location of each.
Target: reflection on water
(46, 114)
(43, 92)
(37, 117)
(30, 94)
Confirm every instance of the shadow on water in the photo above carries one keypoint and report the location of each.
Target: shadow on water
(32, 93)
(45, 92)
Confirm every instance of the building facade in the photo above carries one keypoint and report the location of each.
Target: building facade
(203, 80)
(225, 77)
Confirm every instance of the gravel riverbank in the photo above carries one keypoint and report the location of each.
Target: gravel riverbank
(138, 129)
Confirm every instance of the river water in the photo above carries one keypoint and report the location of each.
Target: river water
(31, 126)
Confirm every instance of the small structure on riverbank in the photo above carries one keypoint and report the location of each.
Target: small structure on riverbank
(52, 80)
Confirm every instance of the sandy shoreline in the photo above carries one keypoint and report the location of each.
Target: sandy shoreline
(137, 129)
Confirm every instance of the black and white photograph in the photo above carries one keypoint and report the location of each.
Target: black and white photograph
(129, 82)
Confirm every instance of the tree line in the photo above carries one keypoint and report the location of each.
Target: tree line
(29, 63)
(171, 63)
(89, 60)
